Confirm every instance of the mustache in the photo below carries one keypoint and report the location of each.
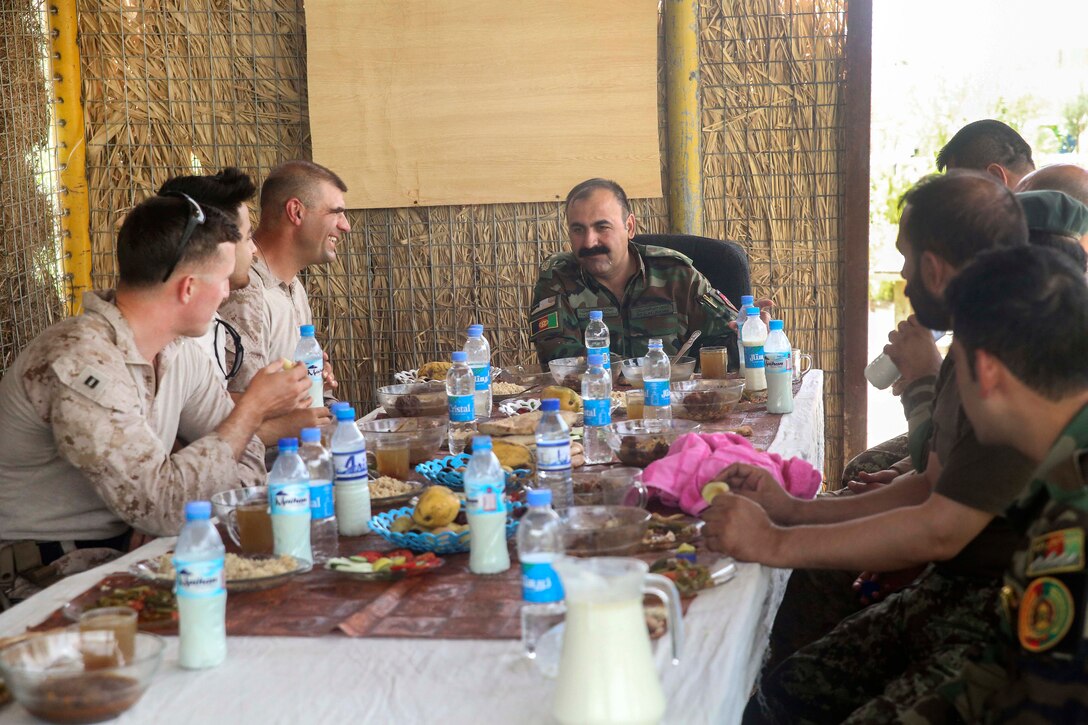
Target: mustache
(593, 251)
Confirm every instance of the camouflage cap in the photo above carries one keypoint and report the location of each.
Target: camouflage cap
(1055, 212)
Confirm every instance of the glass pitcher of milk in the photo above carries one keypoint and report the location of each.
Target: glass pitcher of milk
(606, 669)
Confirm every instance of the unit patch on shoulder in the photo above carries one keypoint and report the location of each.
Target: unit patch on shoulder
(545, 304)
(1046, 614)
(1056, 552)
(545, 323)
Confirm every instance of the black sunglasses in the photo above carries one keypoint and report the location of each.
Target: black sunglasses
(196, 218)
(239, 351)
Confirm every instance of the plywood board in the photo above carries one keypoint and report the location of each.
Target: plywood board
(434, 102)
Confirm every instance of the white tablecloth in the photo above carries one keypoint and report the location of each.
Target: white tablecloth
(336, 679)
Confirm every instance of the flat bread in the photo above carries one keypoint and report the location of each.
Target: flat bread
(521, 425)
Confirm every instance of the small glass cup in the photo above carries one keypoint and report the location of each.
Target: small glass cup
(108, 637)
(254, 527)
(635, 399)
(622, 486)
(802, 363)
(714, 362)
(392, 455)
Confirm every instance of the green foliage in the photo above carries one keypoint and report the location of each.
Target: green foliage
(1075, 116)
(881, 290)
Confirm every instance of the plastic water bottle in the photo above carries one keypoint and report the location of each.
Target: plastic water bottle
(351, 486)
(597, 338)
(656, 372)
(746, 301)
(318, 460)
(553, 454)
(778, 365)
(461, 391)
(597, 403)
(485, 504)
(289, 503)
(755, 334)
(308, 353)
(479, 359)
(329, 428)
(882, 372)
(199, 560)
(540, 543)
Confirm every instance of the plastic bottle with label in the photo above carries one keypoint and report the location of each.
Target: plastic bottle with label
(324, 540)
(289, 503)
(308, 353)
(746, 301)
(351, 482)
(199, 557)
(461, 392)
(597, 411)
(778, 365)
(553, 468)
(479, 359)
(485, 504)
(755, 334)
(597, 340)
(656, 372)
(540, 543)
(882, 371)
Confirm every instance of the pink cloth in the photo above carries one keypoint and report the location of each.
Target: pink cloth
(696, 458)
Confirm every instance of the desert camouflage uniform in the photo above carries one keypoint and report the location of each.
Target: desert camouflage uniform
(666, 298)
(88, 427)
(267, 314)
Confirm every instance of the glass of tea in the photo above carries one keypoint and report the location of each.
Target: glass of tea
(108, 637)
(714, 362)
(392, 453)
(635, 399)
(254, 527)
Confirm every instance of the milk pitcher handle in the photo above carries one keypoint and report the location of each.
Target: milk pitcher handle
(663, 588)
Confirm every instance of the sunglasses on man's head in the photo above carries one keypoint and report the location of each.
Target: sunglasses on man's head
(196, 218)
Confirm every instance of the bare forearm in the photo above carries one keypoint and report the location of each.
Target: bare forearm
(238, 428)
(909, 489)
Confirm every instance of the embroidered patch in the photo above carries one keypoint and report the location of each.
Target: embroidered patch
(91, 382)
(1056, 552)
(544, 304)
(548, 322)
(1046, 614)
(607, 312)
(653, 309)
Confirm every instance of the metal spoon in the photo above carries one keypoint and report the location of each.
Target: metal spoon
(686, 346)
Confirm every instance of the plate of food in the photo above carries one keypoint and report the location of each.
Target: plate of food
(437, 523)
(669, 531)
(384, 566)
(156, 606)
(692, 572)
(502, 390)
(517, 406)
(389, 491)
(244, 573)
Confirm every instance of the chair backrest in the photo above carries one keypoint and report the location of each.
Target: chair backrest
(724, 264)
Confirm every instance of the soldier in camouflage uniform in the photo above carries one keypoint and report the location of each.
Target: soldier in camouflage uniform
(644, 291)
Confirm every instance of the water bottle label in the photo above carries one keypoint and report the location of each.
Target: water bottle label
(657, 393)
(539, 583)
(485, 498)
(753, 356)
(321, 502)
(350, 466)
(483, 377)
(553, 455)
(462, 408)
(598, 411)
(314, 367)
(778, 362)
(607, 364)
(200, 579)
(289, 499)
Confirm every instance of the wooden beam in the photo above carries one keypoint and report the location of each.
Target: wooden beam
(685, 134)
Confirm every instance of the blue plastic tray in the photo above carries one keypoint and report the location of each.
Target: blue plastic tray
(441, 471)
(445, 543)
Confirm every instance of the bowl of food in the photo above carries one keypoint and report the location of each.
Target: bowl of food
(682, 369)
(603, 530)
(568, 371)
(415, 400)
(705, 399)
(640, 442)
(61, 676)
(422, 436)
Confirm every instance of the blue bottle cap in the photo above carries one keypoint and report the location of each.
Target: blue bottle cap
(288, 444)
(596, 315)
(307, 330)
(459, 356)
(549, 405)
(539, 497)
(752, 311)
(776, 325)
(481, 443)
(475, 330)
(311, 435)
(345, 413)
(747, 300)
(337, 405)
(198, 510)
(596, 360)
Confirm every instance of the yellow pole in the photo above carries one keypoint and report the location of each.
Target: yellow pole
(71, 153)
(682, 111)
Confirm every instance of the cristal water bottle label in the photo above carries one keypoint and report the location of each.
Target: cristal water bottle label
(539, 582)
(290, 499)
(657, 393)
(778, 362)
(485, 498)
(200, 579)
(483, 376)
(553, 455)
(321, 501)
(753, 356)
(597, 411)
(607, 362)
(350, 465)
(462, 408)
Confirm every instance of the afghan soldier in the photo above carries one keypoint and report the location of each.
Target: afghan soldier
(643, 291)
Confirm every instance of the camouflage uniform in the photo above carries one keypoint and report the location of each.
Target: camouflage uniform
(665, 298)
(88, 427)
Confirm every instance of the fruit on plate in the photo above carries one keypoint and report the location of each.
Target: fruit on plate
(437, 506)
(511, 455)
(434, 370)
(568, 399)
(375, 562)
(714, 488)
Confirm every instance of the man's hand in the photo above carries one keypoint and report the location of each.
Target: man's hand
(740, 528)
(913, 350)
(331, 383)
(764, 306)
(872, 481)
(289, 425)
(275, 391)
(757, 484)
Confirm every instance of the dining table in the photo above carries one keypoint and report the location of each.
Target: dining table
(333, 677)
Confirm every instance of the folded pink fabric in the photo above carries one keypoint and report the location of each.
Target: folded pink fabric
(696, 458)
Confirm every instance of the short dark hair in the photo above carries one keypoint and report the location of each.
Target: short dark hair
(961, 213)
(226, 191)
(1067, 245)
(296, 179)
(1028, 307)
(147, 244)
(587, 187)
(981, 143)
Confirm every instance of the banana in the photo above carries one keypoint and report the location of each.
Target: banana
(712, 489)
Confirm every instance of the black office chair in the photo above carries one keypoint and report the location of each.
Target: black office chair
(724, 264)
